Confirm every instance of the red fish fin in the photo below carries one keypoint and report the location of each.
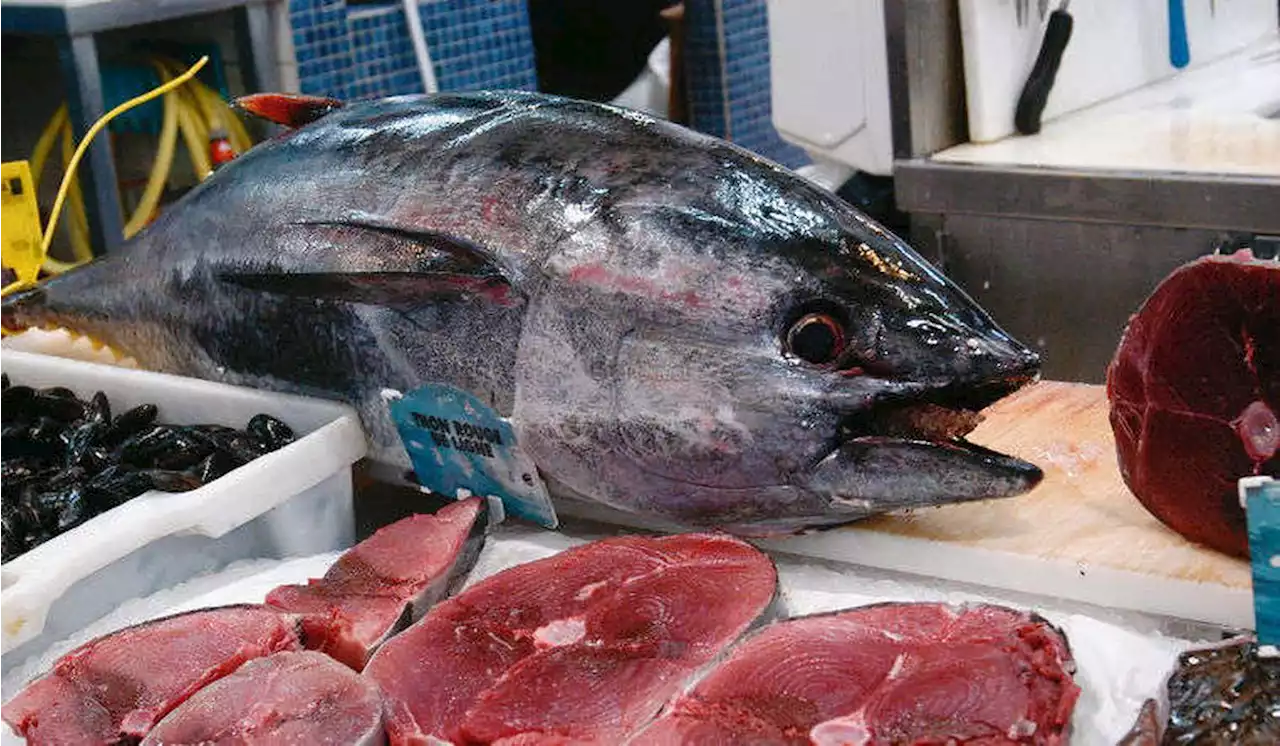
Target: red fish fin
(291, 110)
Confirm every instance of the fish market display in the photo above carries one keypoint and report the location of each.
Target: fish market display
(66, 459)
(585, 645)
(117, 687)
(1195, 395)
(376, 588)
(286, 698)
(673, 325)
(1224, 695)
(898, 673)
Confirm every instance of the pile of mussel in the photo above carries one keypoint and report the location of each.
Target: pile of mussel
(66, 460)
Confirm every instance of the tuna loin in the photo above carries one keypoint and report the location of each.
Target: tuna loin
(1195, 395)
(302, 698)
(888, 673)
(118, 686)
(586, 645)
(377, 587)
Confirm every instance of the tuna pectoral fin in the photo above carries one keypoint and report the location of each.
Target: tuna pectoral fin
(877, 474)
(403, 291)
(287, 109)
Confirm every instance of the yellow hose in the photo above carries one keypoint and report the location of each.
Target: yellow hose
(159, 175)
(77, 220)
(45, 144)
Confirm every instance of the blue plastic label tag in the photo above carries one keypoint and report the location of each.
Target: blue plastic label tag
(457, 443)
(1260, 497)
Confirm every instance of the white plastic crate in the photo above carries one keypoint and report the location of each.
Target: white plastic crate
(295, 501)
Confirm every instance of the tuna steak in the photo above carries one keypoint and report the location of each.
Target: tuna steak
(895, 673)
(583, 646)
(1195, 395)
(675, 326)
(391, 578)
(115, 688)
(287, 698)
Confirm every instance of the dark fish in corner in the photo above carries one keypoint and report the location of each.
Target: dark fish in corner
(675, 326)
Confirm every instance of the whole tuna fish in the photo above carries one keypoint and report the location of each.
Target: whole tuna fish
(674, 325)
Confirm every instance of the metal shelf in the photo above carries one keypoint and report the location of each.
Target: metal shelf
(74, 25)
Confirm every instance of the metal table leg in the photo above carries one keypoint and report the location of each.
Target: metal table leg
(85, 105)
(257, 47)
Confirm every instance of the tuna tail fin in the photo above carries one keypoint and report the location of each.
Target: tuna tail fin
(290, 110)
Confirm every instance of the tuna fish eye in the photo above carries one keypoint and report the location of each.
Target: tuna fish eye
(816, 338)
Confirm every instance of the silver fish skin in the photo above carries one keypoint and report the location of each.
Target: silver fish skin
(675, 326)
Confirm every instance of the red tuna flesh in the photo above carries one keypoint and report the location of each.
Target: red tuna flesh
(286, 698)
(1195, 394)
(582, 647)
(115, 688)
(377, 587)
(897, 673)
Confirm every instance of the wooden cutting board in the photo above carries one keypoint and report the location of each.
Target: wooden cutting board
(1080, 534)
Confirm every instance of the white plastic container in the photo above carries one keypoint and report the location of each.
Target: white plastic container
(295, 501)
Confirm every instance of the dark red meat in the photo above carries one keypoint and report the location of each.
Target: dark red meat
(118, 686)
(381, 584)
(585, 646)
(1195, 393)
(286, 698)
(884, 674)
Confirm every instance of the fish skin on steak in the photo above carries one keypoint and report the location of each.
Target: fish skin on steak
(286, 698)
(115, 688)
(379, 586)
(1194, 389)
(900, 673)
(581, 647)
(1224, 695)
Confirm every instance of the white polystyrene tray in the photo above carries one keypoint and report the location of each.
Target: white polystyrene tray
(1122, 658)
(291, 502)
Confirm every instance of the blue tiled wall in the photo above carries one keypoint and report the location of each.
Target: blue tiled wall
(363, 51)
(727, 53)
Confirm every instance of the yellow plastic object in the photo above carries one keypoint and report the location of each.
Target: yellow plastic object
(20, 222)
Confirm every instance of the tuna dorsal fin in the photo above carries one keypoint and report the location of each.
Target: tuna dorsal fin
(290, 110)
(387, 265)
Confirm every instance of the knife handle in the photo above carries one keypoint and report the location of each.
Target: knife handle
(1035, 92)
(1179, 50)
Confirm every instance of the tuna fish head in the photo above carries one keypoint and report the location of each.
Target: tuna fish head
(763, 357)
(674, 326)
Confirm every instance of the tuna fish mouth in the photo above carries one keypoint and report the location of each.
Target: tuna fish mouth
(914, 452)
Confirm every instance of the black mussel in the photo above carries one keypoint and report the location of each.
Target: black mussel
(270, 431)
(14, 541)
(132, 422)
(82, 440)
(4, 381)
(245, 448)
(172, 481)
(116, 485)
(184, 451)
(75, 509)
(215, 465)
(142, 449)
(61, 392)
(66, 409)
(46, 431)
(15, 403)
(99, 409)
